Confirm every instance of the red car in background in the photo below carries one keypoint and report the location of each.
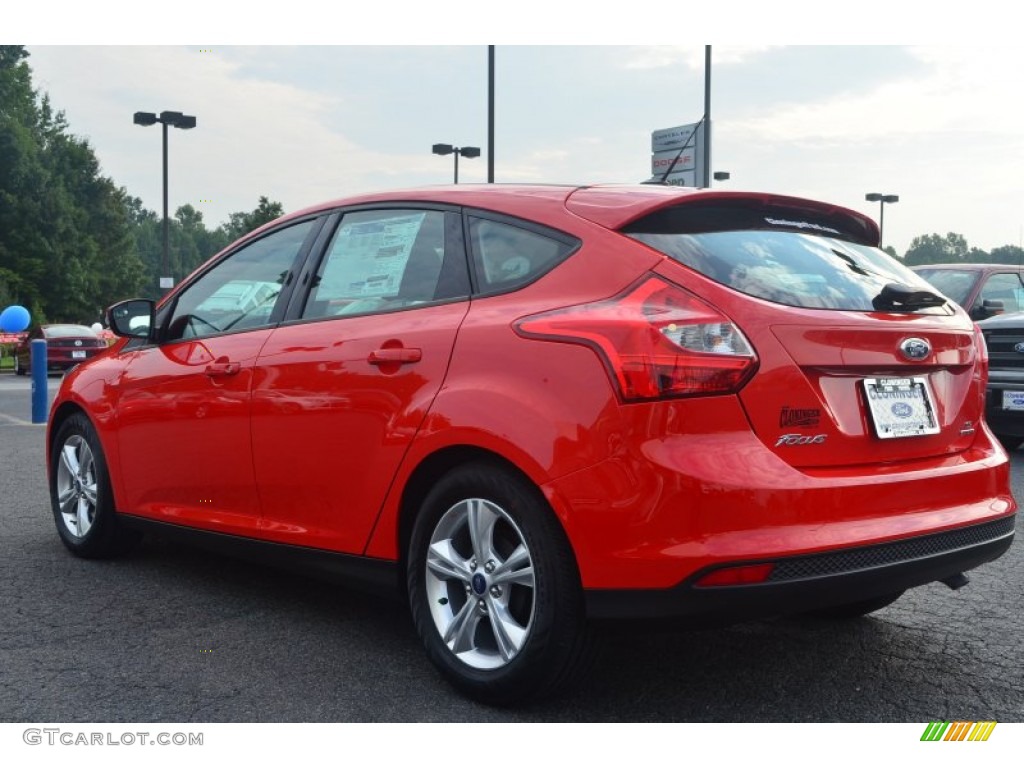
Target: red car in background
(67, 345)
(527, 407)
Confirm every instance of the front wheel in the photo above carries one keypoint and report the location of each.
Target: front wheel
(80, 493)
(493, 587)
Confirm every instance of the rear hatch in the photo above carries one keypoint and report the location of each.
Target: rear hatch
(859, 360)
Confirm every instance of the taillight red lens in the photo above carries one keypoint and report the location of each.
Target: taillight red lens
(657, 340)
(981, 366)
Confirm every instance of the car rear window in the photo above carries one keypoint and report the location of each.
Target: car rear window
(68, 331)
(794, 260)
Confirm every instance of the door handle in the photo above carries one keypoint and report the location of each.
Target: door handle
(398, 355)
(223, 369)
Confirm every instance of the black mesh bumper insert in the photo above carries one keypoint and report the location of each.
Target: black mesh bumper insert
(880, 555)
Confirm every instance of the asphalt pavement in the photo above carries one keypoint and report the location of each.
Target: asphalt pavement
(174, 634)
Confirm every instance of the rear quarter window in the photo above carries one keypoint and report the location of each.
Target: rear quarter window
(506, 256)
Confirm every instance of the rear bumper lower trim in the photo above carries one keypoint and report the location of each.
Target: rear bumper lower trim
(807, 582)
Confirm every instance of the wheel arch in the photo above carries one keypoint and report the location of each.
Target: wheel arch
(58, 418)
(433, 467)
(64, 411)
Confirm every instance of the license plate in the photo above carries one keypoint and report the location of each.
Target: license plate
(1013, 400)
(901, 407)
(78, 354)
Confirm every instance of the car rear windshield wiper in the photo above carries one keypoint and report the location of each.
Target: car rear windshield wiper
(896, 297)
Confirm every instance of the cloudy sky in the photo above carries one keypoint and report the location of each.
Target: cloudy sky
(283, 114)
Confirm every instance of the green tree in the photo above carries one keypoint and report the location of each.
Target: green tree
(977, 256)
(242, 223)
(1008, 254)
(22, 183)
(936, 249)
(65, 235)
(197, 242)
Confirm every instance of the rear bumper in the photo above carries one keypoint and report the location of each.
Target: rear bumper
(807, 582)
(668, 507)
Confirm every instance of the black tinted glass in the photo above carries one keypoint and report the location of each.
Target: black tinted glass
(789, 267)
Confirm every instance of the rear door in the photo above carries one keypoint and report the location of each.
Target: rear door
(340, 391)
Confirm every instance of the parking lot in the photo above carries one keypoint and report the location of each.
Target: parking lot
(175, 634)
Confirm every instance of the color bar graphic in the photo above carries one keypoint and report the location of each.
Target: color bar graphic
(959, 730)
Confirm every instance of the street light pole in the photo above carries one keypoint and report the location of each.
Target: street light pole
(167, 248)
(878, 197)
(706, 182)
(448, 149)
(490, 114)
(166, 119)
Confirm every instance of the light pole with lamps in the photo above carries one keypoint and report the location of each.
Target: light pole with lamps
(878, 197)
(178, 120)
(448, 149)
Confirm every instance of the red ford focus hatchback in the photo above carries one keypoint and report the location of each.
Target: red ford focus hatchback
(526, 407)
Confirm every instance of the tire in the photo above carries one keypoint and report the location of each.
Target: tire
(854, 610)
(493, 588)
(81, 496)
(18, 370)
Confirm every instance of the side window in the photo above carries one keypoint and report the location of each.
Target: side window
(1004, 287)
(240, 292)
(383, 260)
(506, 256)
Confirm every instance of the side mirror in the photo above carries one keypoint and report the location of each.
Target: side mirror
(991, 308)
(132, 318)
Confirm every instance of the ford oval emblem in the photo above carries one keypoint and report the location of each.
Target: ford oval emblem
(1019, 347)
(479, 583)
(902, 411)
(915, 349)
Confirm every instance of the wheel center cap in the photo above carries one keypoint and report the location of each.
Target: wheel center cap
(479, 583)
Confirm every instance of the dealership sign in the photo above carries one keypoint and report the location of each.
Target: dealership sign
(672, 161)
(677, 155)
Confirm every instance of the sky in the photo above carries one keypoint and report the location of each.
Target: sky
(293, 105)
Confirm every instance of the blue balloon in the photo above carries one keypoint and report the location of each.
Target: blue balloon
(14, 319)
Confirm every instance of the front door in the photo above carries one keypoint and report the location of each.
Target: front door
(184, 404)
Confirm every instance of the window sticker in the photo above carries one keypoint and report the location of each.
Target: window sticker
(369, 257)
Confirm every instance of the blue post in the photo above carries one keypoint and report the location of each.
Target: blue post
(39, 394)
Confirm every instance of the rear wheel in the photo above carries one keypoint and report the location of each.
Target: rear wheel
(80, 493)
(493, 587)
(855, 610)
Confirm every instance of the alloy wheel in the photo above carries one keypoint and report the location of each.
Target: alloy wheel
(76, 485)
(480, 584)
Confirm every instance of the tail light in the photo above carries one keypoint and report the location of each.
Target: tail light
(981, 366)
(656, 339)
